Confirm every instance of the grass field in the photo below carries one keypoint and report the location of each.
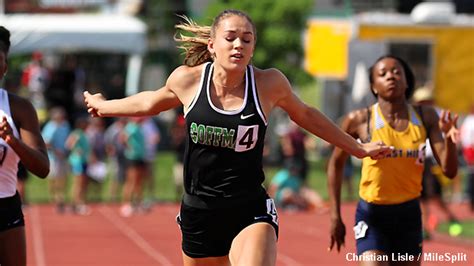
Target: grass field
(467, 228)
(164, 190)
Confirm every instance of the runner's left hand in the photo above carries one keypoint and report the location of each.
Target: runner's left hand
(447, 125)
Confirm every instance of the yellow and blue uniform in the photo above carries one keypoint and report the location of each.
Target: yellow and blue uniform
(396, 178)
(388, 216)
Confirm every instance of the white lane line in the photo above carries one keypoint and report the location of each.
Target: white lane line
(38, 245)
(134, 236)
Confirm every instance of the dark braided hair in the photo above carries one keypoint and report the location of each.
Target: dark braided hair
(410, 77)
(4, 40)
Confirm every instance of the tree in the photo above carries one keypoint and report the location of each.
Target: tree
(280, 25)
(161, 16)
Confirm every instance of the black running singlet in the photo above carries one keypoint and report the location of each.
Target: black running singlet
(223, 157)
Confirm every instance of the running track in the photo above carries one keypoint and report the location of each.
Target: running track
(104, 238)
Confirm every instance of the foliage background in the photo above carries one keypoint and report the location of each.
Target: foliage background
(280, 25)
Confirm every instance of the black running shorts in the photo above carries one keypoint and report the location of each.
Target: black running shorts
(210, 232)
(11, 215)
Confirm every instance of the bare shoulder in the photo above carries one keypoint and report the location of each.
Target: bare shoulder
(428, 113)
(355, 123)
(272, 87)
(22, 110)
(358, 116)
(269, 77)
(185, 76)
(184, 82)
(272, 83)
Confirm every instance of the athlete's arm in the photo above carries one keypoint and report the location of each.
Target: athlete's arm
(175, 92)
(335, 172)
(314, 121)
(30, 147)
(444, 148)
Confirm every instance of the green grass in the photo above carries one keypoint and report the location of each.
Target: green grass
(467, 228)
(163, 185)
(164, 189)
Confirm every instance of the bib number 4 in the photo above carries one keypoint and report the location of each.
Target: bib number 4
(246, 138)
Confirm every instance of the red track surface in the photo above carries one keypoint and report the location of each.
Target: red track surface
(104, 238)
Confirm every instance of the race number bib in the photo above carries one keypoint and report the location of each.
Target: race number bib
(360, 229)
(246, 138)
(272, 211)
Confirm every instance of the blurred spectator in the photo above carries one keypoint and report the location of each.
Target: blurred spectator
(287, 189)
(135, 155)
(115, 147)
(97, 167)
(55, 134)
(293, 142)
(79, 153)
(36, 77)
(178, 135)
(467, 142)
(152, 138)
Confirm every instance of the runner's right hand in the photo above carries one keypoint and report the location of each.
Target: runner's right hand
(92, 102)
(338, 234)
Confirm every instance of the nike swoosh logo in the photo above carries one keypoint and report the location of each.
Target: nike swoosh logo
(242, 116)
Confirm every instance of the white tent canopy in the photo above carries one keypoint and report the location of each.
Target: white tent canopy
(80, 32)
(109, 33)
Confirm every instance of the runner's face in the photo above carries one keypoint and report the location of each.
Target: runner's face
(234, 42)
(389, 81)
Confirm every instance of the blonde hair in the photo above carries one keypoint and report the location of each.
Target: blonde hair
(195, 46)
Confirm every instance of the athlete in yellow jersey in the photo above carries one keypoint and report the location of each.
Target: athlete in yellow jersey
(396, 178)
(388, 219)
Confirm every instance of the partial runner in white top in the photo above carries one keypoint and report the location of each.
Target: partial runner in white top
(8, 158)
